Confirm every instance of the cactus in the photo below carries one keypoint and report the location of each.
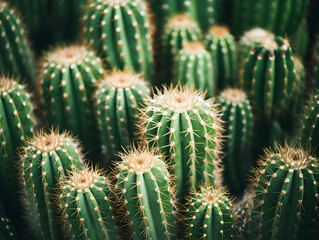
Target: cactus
(117, 101)
(7, 231)
(194, 66)
(286, 194)
(119, 31)
(15, 55)
(86, 203)
(209, 215)
(238, 130)
(315, 72)
(45, 160)
(222, 46)
(301, 40)
(68, 83)
(186, 129)
(146, 194)
(179, 30)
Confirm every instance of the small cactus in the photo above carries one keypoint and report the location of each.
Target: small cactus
(7, 232)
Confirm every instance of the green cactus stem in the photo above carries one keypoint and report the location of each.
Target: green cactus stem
(194, 66)
(146, 193)
(301, 40)
(221, 44)
(118, 98)
(119, 31)
(237, 117)
(86, 202)
(209, 215)
(15, 54)
(7, 231)
(286, 194)
(46, 159)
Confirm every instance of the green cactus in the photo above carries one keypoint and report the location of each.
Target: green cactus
(186, 129)
(117, 101)
(221, 44)
(194, 66)
(15, 54)
(67, 87)
(86, 202)
(300, 40)
(46, 159)
(237, 116)
(209, 215)
(119, 31)
(146, 194)
(7, 231)
(316, 62)
(286, 194)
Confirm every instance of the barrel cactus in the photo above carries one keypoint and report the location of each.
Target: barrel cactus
(194, 66)
(46, 160)
(118, 98)
(237, 117)
(86, 203)
(285, 194)
(146, 195)
(221, 44)
(119, 31)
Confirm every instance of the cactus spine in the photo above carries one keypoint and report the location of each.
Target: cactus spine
(238, 128)
(117, 101)
(46, 159)
(209, 215)
(86, 201)
(7, 231)
(119, 30)
(286, 195)
(222, 46)
(15, 55)
(194, 66)
(145, 189)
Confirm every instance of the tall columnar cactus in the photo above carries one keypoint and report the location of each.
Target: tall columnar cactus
(209, 215)
(86, 202)
(117, 101)
(46, 160)
(15, 55)
(238, 128)
(221, 44)
(119, 31)
(269, 76)
(146, 195)
(186, 129)
(67, 88)
(7, 232)
(286, 194)
(194, 66)
(179, 30)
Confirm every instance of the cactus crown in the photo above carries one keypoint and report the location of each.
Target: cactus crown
(66, 56)
(256, 35)
(193, 47)
(121, 79)
(83, 179)
(234, 95)
(180, 21)
(116, 2)
(269, 43)
(211, 195)
(219, 30)
(6, 84)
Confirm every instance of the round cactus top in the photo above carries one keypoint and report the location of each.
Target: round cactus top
(122, 79)
(269, 43)
(219, 30)
(234, 95)
(256, 35)
(84, 178)
(6, 84)
(180, 21)
(67, 55)
(193, 47)
(211, 195)
(116, 2)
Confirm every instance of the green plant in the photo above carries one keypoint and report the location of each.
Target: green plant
(300, 40)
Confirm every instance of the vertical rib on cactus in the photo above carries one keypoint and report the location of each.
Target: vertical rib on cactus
(186, 129)
(68, 85)
(119, 31)
(15, 55)
(221, 44)
(238, 130)
(286, 194)
(7, 232)
(46, 159)
(146, 193)
(209, 215)
(86, 202)
(194, 66)
(117, 101)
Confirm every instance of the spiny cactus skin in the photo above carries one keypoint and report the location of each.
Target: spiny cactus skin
(269, 76)
(119, 31)
(237, 120)
(209, 215)
(186, 129)
(221, 44)
(15, 55)
(86, 201)
(7, 231)
(46, 159)
(146, 193)
(286, 195)
(67, 88)
(117, 101)
(194, 66)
